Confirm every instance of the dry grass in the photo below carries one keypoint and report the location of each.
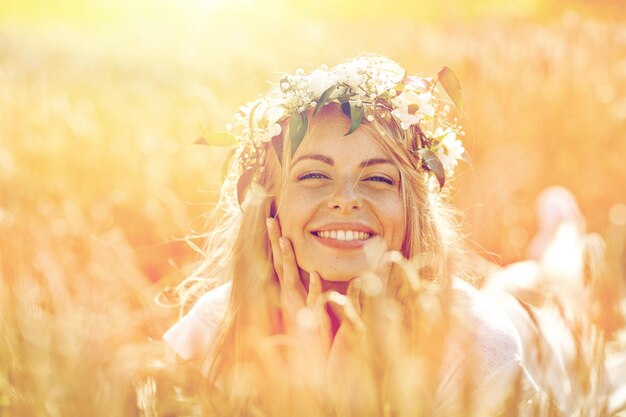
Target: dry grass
(98, 183)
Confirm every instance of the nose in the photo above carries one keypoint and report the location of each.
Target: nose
(345, 198)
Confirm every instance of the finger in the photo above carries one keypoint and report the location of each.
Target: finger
(354, 294)
(384, 268)
(273, 232)
(316, 303)
(315, 290)
(374, 286)
(344, 309)
(291, 273)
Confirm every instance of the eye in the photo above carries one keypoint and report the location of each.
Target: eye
(379, 178)
(311, 176)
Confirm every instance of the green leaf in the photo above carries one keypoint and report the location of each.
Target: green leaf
(440, 137)
(324, 98)
(356, 117)
(217, 139)
(345, 108)
(399, 87)
(297, 129)
(431, 163)
(451, 84)
(277, 143)
(243, 184)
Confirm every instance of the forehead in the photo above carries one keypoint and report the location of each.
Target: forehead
(326, 136)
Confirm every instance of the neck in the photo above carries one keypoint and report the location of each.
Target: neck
(340, 286)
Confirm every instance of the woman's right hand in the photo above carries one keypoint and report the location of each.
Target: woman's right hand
(293, 296)
(303, 312)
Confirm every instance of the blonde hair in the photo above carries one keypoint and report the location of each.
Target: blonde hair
(238, 250)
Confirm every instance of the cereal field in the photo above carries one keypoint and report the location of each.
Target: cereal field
(100, 184)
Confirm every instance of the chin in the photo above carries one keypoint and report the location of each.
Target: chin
(338, 277)
(340, 274)
(333, 267)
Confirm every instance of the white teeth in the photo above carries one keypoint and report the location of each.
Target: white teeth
(345, 235)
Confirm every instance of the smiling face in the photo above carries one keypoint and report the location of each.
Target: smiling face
(341, 192)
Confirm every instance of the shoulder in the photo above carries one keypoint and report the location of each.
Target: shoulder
(494, 337)
(484, 352)
(192, 335)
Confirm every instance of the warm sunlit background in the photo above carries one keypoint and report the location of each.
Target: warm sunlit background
(100, 102)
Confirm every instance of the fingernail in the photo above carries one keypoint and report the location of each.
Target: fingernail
(283, 243)
(269, 222)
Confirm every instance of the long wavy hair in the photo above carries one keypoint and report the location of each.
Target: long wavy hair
(238, 250)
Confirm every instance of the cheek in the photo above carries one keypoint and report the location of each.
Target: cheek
(294, 211)
(394, 222)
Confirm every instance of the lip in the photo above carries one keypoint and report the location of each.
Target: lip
(343, 244)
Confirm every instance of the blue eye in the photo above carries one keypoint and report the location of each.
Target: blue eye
(380, 179)
(311, 175)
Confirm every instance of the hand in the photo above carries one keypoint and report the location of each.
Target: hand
(342, 370)
(304, 316)
(293, 295)
(350, 377)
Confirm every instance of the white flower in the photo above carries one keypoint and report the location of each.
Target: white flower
(411, 107)
(320, 81)
(406, 119)
(268, 126)
(351, 74)
(450, 149)
(417, 83)
(356, 102)
(266, 135)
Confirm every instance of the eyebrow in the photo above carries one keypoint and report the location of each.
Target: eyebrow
(329, 161)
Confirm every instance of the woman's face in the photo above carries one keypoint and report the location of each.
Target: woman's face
(341, 192)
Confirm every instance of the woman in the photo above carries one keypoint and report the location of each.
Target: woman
(328, 285)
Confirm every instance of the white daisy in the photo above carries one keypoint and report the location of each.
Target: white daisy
(411, 107)
(450, 149)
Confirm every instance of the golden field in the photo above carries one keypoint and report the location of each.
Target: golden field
(100, 183)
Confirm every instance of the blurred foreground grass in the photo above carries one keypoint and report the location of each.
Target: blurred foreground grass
(99, 184)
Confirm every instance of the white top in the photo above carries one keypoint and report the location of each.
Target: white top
(191, 336)
(497, 346)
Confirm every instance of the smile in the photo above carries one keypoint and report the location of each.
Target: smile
(344, 235)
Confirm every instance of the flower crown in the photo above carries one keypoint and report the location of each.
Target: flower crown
(364, 87)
